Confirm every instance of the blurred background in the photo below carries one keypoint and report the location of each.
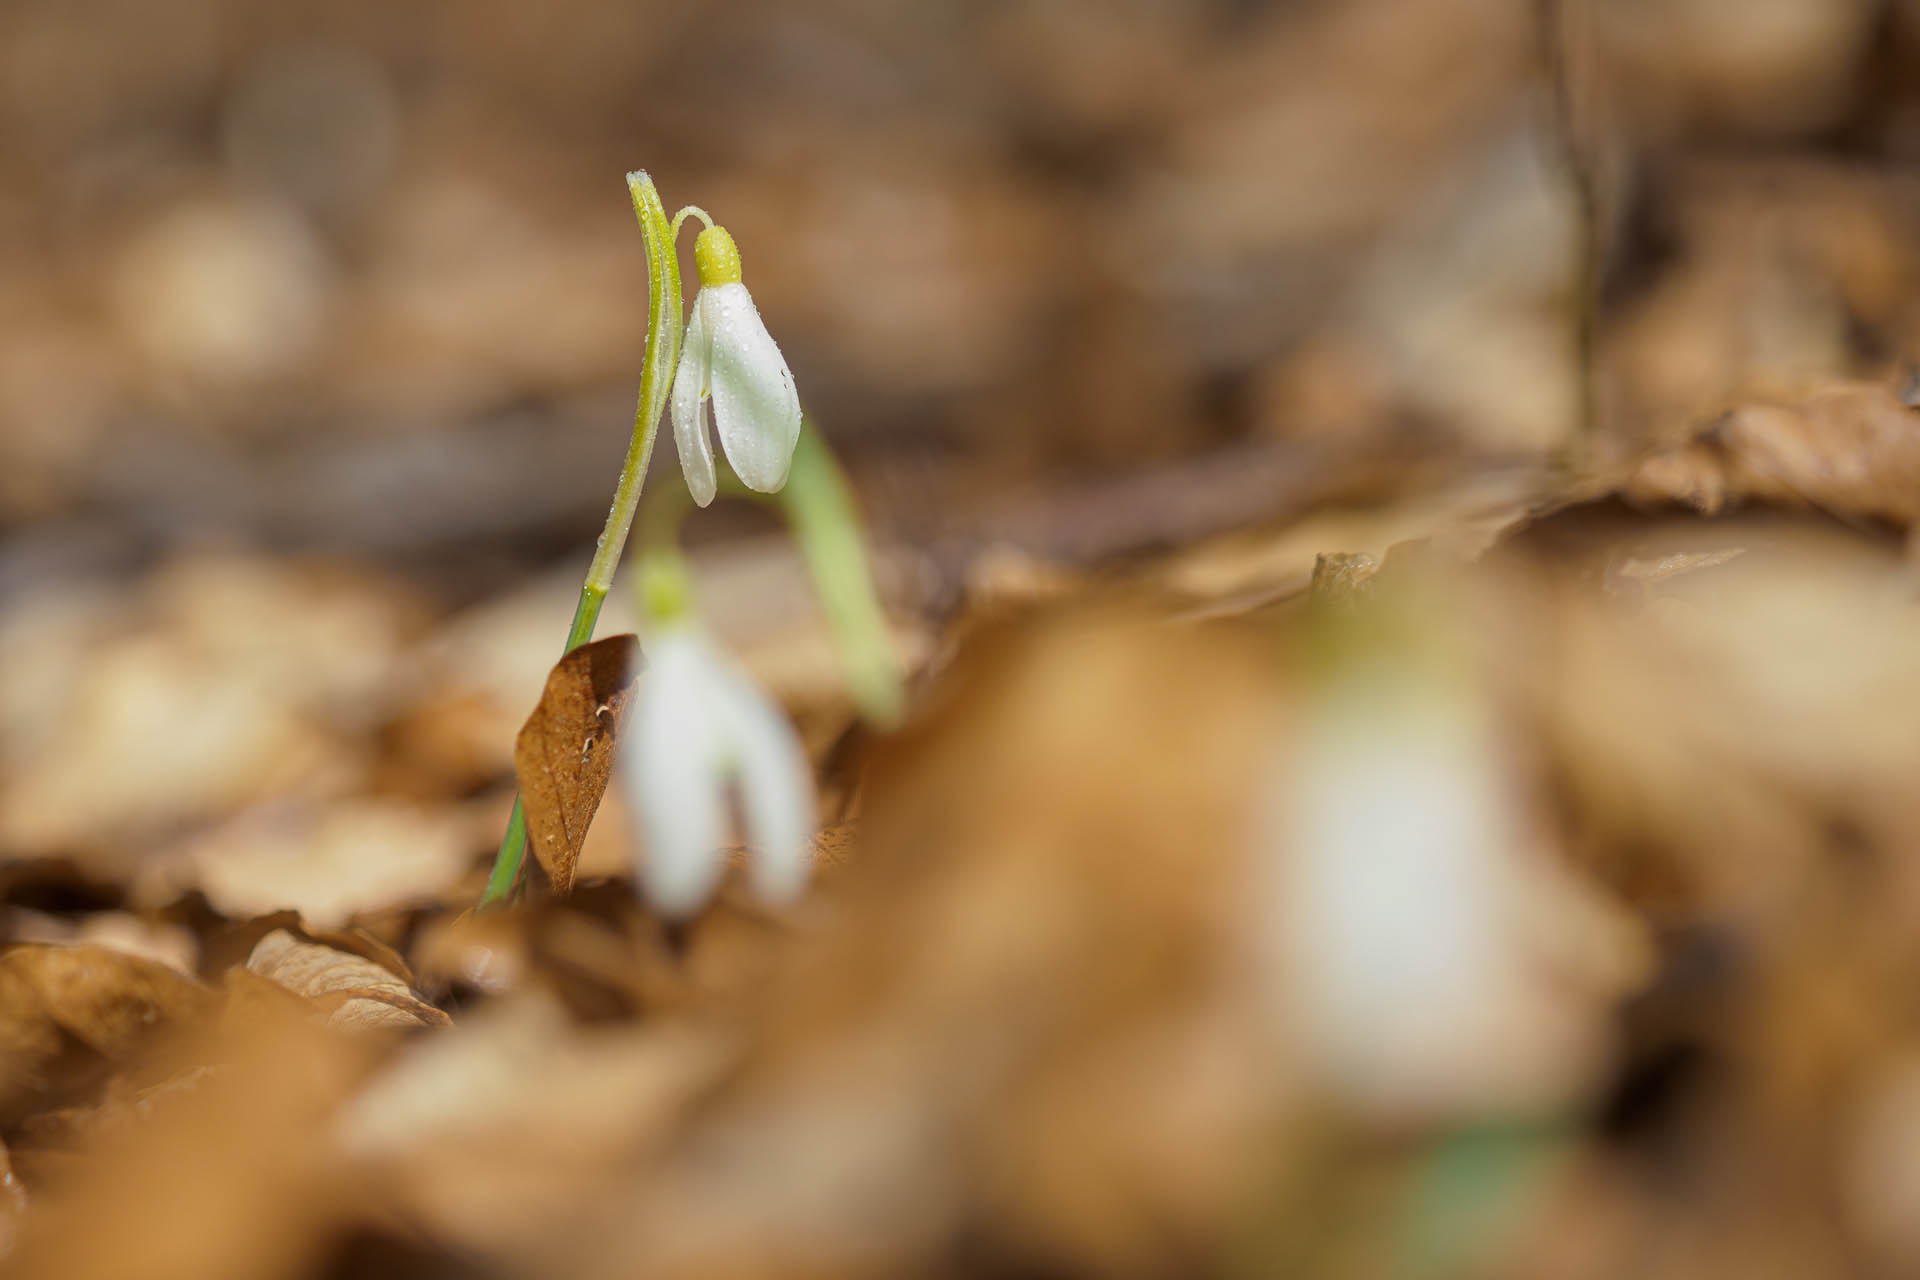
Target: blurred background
(320, 326)
(342, 279)
(320, 329)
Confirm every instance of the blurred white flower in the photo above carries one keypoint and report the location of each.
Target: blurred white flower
(1434, 954)
(729, 357)
(700, 729)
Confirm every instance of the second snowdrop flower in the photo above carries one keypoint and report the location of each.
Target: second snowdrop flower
(701, 733)
(728, 358)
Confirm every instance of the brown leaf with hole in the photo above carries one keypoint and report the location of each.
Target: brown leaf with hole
(1852, 450)
(356, 993)
(70, 1013)
(564, 754)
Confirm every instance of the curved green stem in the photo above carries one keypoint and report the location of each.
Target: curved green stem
(692, 210)
(656, 378)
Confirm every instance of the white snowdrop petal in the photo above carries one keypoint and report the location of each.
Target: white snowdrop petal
(687, 405)
(755, 405)
(672, 760)
(776, 790)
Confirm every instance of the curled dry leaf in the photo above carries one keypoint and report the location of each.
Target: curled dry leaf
(233, 945)
(564, 753)
(1852, 450)
(67, 1014)
(356, 992)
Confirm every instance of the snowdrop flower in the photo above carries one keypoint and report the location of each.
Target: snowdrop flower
(1430, 957)
(728, 356)
(699, 730)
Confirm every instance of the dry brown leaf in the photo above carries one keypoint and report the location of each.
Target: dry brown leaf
(488, 950)
(356, 992)
(67, 1014)
(126, 1100)
(107, 999)
(255, 1002)
(13, 1203)
(603, 955)
(1852, 450)
(1734, 716)
(457, 1134)
(564, 754)
(233, 945)
(209, 1180)
(330, 862)
(170, 944)
(835, 845)
(257, 656)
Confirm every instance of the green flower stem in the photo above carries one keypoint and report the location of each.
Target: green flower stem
(656, 377)
(510, 858)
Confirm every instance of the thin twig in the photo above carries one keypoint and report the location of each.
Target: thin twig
(1556, 35)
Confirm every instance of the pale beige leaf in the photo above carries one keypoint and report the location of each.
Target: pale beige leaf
(356, 992)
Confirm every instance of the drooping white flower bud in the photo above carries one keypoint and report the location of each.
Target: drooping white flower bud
(700, 731)
(728, 358)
